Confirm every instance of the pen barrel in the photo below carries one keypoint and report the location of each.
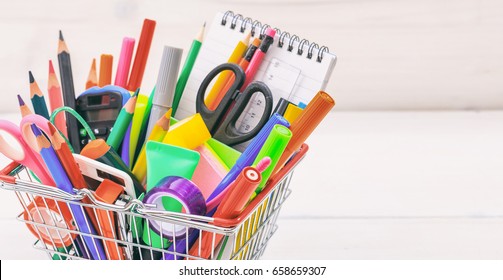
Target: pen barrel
(185, 73)
(252, 68)
(124, 62)
(304, 125)
(140, 60)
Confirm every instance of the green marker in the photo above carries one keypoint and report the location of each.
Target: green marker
(273, 147)
(122, 123)
(187, 68)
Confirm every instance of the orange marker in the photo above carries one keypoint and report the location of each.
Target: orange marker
(56, 99)
(92, 78)
(106, 63)
(140, 59)
(305, 124)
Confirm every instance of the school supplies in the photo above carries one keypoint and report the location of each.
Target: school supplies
(92, 77)
(244, 62)
(136, 127)
(187, 68)
(158, 132)
(37, 98)
(209, 171)
(62, 182)
(167, 160)
(292, 112)
(165, 86)
(25, 110)
(140, 59)
(249, 155)
(281, 106)
(305, 124)
(106, 63)
(65, 73)
(258, 56)
(25, 156)
(99, 107)
(188, 133)
(124, 64)
(239, 51)
(56, 99)
(273, 148)
(230, 207)
(121, 124)
(109, 192)
(100, 151)
(294, 69)
(221, 122)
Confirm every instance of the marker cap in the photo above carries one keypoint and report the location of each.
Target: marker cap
(167, 77)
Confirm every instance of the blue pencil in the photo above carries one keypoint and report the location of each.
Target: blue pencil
(63, 183)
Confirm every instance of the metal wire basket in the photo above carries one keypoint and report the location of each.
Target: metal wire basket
(119, 228)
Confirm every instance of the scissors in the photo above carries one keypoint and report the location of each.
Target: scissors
(221, 122)
(26, 140)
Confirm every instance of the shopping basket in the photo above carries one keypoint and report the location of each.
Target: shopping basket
(45, 212)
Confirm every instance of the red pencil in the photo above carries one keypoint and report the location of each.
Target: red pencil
(140, 59)
(56, 99)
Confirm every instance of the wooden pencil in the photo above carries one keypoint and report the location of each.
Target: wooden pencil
(25, 110)
(106, 63)
(92, 78)
(122, 122)
(37, 98)
(65, 73)
(56, 99)
(140, 59)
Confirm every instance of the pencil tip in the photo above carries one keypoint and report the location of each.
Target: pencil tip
(20, 100)
(61, 36)
(52, 128)
(51, 67)
(36, 130)
(31, 77)
(136, 92)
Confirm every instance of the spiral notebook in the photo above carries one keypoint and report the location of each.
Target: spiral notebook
(293, 68)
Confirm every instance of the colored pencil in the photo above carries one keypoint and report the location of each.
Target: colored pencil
(37, 98)
(160, 129)
(106, 63)
(124, 62)
(63, 183)
(70, 166)
(122, 123)
(56, 99)
(25, 110)
(65, 73)
(222, 79)
(187, 68)
(92, 78)
(140, 59)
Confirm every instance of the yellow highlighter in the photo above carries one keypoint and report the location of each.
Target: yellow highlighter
(292, 112)
(188, 133)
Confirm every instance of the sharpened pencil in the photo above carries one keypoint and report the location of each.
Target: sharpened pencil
(92, 77)
(56, 99)
(37, 98)
(25, 110)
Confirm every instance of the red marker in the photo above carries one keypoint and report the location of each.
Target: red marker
(258, 57)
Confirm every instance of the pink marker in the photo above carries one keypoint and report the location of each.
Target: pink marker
(124, 62)
(258, 57)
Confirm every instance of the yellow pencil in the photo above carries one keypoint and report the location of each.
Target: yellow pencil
(159, 130)
(222, 79)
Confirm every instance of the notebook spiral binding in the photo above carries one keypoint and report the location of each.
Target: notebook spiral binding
(283, 36)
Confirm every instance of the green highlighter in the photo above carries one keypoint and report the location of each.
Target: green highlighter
(273, 147)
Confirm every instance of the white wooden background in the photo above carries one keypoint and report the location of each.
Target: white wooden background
(393, 54)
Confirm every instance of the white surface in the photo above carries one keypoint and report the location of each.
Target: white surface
(393, 54)
(403, 185)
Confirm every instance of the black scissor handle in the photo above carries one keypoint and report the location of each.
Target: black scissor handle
(213, 118)
(227, 132)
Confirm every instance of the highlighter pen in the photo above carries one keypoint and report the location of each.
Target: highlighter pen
(292, 112)
(305, 124)
(124, 62)
(100, 151)
(56, 99)
(258, 57)
(187, 68)
(249, 155)
(165, 86)
(106, 65)
(63, 183)
(273, 148)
